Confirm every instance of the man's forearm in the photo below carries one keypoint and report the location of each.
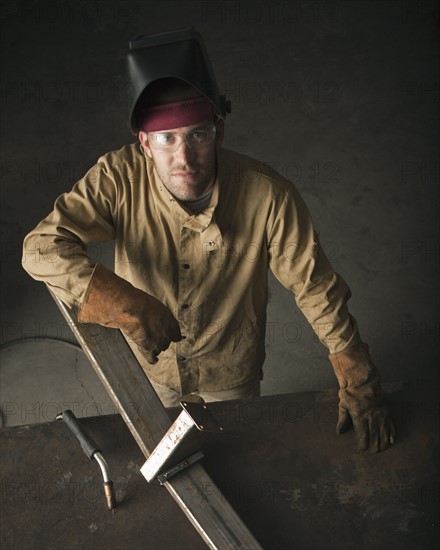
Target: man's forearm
(55, 252)
(325, 307)
(60, 263)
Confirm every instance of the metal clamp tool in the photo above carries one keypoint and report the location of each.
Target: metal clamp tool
(181, 445)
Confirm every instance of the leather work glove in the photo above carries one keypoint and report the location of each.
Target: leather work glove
(361, 399)
(113, 302)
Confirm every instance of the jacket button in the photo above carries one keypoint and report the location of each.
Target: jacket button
(185, 266)
(184, 306)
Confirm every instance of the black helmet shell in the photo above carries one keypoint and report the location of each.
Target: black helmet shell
(177, 54)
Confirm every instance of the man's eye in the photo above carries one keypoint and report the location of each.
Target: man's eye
(199, 135)
(165, 139)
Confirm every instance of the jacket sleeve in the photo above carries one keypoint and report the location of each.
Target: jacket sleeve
(56, 250)
(299, 263)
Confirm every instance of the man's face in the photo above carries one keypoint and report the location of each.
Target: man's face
(188, 172)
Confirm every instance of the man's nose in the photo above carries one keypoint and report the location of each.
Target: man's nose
(183, 152)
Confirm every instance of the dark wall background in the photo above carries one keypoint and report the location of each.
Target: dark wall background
(341, 97)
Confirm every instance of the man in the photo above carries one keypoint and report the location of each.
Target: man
(196, 228)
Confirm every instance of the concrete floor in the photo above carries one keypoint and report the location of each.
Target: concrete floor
(341, 97)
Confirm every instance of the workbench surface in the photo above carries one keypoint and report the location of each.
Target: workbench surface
(291, 479)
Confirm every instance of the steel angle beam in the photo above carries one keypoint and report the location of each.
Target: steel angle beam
(134, 397)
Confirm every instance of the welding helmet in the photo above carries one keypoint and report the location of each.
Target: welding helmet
(176, 54)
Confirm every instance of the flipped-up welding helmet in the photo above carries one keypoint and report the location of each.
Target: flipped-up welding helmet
(176, 54)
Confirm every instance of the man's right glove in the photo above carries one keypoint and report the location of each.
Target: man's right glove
(114, 302)
(361, 399)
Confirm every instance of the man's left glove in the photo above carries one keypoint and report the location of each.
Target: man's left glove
(361, 398)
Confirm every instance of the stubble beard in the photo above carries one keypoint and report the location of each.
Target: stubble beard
(191, 187)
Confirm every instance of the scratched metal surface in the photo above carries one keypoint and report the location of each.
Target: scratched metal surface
(294, 483)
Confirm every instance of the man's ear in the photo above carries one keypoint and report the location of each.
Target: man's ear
(143, 138)
(220, 133)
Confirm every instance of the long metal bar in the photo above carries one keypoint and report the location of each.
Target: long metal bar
(140, 407)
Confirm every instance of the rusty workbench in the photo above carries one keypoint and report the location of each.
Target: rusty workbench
(293, 482)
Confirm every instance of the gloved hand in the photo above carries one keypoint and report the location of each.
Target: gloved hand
(361, 399)
(113, 302)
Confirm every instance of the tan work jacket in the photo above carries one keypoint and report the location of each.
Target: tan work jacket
(211, 270)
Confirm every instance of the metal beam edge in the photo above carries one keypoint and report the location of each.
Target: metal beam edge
(132, 393)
